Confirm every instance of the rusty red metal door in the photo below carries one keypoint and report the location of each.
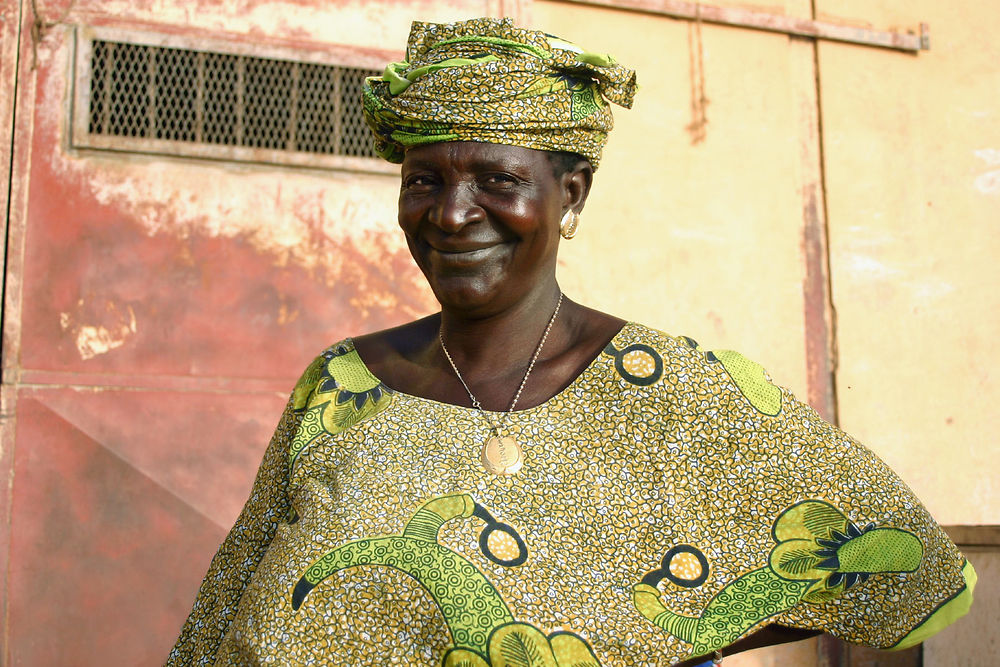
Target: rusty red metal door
(153, 329)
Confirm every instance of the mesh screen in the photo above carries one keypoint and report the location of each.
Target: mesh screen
(153, 92)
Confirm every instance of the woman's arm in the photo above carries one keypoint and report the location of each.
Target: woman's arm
(238, 557)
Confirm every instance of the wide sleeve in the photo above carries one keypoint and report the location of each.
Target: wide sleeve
(880, 570)
(825, 535)
(245, 545)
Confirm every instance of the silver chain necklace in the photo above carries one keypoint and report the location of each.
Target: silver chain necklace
(502, 454)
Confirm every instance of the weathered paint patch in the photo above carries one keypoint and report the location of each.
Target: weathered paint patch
(229, 270)
(870, 267)
(988, 183)
(92, 340)
(927, 290)
(991, 156)
(357, 22)
(296, 218)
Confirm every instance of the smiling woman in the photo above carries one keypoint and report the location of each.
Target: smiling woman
(521, 480)
(482, 220)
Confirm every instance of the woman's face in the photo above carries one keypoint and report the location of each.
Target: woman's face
(482, 221)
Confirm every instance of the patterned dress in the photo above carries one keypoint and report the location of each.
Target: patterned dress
(672, 501)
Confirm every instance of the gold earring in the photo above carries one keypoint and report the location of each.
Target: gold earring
(568, 225)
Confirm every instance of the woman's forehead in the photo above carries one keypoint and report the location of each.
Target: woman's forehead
(473, 154)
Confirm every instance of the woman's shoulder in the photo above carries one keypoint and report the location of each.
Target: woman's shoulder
(338, 368)
(636, 333)
(378, 358)
(395, 344)
(646, 356)
(401, 356)
(636, 341)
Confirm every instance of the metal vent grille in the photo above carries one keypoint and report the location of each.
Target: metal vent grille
(147, 95)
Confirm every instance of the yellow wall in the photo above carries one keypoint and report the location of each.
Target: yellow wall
(913, 185)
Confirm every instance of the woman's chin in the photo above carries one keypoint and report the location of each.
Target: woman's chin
(470, 294)
(462, 299)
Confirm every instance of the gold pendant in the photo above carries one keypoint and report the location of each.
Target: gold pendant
(502, 456)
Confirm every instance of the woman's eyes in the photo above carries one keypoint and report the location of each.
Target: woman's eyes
(500, 180)
(493, 181)
(418, 182)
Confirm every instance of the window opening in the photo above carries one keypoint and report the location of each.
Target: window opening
(164, 99)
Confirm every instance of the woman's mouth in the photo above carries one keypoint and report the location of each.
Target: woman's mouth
(470, 255)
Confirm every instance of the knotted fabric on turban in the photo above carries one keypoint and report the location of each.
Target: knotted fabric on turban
(486, 80)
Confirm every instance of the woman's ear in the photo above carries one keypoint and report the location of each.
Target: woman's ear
(576, 185)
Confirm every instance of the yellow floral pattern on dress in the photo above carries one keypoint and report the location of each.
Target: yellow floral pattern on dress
(819, 555)
(749, 376)
(335, 393)
(481, 627)
(640, 457)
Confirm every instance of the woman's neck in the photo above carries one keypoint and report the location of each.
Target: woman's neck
(491, 353)
(500, 340)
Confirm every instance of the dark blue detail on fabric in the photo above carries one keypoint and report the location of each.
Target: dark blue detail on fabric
(493, 525)
(619, 356)
(663, 572)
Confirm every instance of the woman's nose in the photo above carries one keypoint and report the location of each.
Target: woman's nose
(456, 207)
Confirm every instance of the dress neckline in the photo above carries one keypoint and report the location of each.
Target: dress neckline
(621, 333)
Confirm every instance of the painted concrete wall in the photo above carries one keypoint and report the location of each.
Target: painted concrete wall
(157, 310)
(913, 185)
(913, 189)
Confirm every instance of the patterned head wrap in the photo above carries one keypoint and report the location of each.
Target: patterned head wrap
(486, 80)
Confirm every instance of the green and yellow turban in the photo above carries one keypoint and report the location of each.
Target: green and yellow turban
(486, 80)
